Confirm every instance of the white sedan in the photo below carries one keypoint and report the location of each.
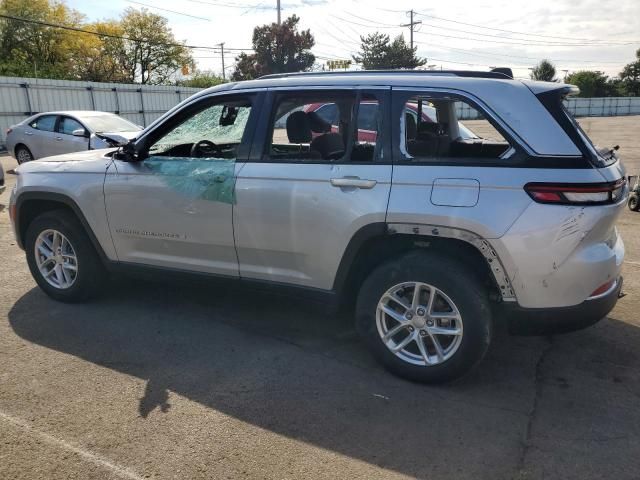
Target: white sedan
(55, 133)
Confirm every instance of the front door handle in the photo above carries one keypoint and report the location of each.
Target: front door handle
(59, 139)
(354, 182)
(28, 133)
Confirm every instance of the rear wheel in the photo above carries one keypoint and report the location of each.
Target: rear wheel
(633, 203)
(23, 154)
(61, 257)
(425, 317)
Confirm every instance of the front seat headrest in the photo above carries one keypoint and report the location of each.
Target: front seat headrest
(317, 123)
(329, 145)
(298, 129)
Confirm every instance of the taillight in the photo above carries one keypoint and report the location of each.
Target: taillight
(9, 130)
(576, 193)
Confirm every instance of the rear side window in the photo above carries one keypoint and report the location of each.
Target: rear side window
(45, 123)
(446, 128)
(319, 127)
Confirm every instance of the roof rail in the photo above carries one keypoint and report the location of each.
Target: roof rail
(499, 73)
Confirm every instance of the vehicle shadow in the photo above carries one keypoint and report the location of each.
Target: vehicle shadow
(287, 367)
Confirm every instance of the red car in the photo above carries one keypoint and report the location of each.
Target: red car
(367, 118)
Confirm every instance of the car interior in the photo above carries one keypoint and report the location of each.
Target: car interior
(307, 135)
(214, 132)
(442, 137)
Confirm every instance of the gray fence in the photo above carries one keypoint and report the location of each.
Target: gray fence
(22, 97)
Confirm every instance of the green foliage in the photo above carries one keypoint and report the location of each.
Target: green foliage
(592, 83)
(201, 80)
(278, 49)
(545, 71)
(378, 52)
(154, 56)
(28, 49)
(630, 77)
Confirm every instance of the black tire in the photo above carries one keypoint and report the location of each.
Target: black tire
(459, 283)
(91, 272)
(633, 203)
(23, 154)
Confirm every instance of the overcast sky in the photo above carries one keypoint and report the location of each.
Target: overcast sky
(454, 34)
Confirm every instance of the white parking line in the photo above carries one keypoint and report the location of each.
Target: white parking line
(87, 455)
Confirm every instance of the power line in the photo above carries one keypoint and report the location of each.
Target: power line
(120, 37)
(521, 42)
(537, 42)
(170, 11)
(511, 31)
(245, 6)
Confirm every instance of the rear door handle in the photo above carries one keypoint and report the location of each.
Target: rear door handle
(28, 133)
(354, 182)
(59, 139)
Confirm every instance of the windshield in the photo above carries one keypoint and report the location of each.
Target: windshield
(109, 123)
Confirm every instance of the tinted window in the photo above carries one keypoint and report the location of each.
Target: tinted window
(45, 123)
(368, 116)
(68, 125)
(437, 128)
(311, 126)
(329, 113)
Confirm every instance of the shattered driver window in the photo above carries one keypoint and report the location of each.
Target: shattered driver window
(197, 158)
(215, 132)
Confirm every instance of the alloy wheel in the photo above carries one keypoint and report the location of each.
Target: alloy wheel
(419, 323)
(56, 259)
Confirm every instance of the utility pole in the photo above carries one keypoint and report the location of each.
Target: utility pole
(278, 12)
(222, 52)
(411, 25)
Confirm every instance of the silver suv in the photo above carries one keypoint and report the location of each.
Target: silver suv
(438, 202)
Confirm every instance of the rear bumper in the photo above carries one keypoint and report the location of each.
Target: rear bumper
(546, 321)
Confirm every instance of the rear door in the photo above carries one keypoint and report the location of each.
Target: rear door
(308, 187)
(40, 136)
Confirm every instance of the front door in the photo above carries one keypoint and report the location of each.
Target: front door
(309, 186)
(66, 141)
(174, 209)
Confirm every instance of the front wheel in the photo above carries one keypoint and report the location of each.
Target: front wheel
(425, 317)
(633, 203)
(62, 258)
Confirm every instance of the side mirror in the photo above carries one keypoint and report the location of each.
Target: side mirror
(80, 132)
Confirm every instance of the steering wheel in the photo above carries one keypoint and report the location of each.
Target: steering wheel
(205, 148)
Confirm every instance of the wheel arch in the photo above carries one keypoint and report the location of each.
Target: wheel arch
(19, 145)
(376, 243)
(31, 204)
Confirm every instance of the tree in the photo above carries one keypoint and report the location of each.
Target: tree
(28, 49)
(151, 54)
(544, 71)
(99, 58)
(278, 49)
(630, 77)
(591, 83)
(201, 80)
(379, 53)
